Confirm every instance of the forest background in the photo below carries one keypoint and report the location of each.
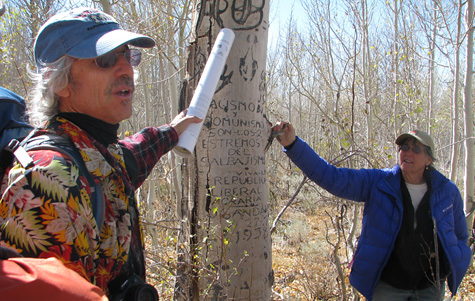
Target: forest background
(350, 75)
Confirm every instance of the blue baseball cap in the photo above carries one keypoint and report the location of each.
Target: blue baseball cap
(83, 33)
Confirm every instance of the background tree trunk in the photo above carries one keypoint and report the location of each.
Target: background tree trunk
(225, 241)
(455, 99)
(396, 112)
(432, 71)
(468, 110)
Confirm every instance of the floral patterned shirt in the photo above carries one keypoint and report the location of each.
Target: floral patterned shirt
(46, 211)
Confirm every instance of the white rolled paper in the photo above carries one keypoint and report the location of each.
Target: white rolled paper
(205, 90)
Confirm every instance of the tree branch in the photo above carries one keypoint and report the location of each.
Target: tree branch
(272, 229)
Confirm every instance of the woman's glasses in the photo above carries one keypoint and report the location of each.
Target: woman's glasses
(416, 149)
(108, 60)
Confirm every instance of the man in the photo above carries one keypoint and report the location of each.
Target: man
(25, 278)
(84, 88)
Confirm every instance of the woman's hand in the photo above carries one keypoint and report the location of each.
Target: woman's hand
(287, 133)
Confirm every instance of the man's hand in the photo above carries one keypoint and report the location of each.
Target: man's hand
(181, 122)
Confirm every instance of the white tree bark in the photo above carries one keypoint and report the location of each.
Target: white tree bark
(468, 110)
(225, 232)
(432, 69)
(455, 100)
(396, 111)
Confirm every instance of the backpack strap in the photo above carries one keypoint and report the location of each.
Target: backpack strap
(7, 155)
(54, 142)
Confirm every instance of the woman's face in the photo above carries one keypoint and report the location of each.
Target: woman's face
(413, 159)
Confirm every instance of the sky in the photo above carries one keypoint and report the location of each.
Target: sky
(279, 16)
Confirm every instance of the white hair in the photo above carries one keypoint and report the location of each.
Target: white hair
(43, 102)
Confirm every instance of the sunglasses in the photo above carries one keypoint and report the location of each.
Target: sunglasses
(108, 60)
(406, 148)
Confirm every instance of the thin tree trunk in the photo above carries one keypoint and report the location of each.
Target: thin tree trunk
(171, 72)
(455, 100)
(468, 110)
(432, 69)
(396, 70)
(368, 74)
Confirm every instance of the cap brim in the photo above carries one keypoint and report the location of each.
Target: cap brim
(101, 44)
(403, 137)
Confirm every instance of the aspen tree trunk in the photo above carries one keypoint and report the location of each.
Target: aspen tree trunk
(224, 244)
(368, 73)
(172, 87)
(432, 70)
(106, 6)
(396, 112)
(468, 110)
(455, 100)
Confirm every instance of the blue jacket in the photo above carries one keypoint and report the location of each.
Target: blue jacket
(379, 189)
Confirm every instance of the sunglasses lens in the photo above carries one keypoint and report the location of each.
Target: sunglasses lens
(415, 149)
(107, 60)
(133, 56)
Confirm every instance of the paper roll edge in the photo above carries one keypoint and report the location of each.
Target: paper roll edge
(182, 152)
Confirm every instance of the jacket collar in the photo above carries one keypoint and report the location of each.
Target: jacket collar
(391, 182)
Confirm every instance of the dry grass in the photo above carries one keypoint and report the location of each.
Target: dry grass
(301, 275)
(302, 256)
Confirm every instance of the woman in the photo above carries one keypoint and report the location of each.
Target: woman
(397, 257)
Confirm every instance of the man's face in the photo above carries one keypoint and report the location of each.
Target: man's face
(103, 93)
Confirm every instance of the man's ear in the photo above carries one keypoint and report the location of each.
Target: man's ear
(64, 92)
